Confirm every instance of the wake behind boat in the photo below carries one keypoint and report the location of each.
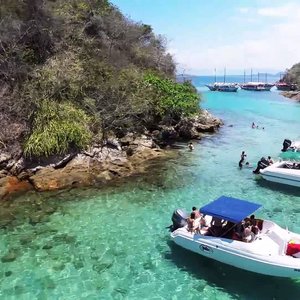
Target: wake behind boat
(272, 251)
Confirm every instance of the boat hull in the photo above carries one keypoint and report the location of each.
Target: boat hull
(228, 89)
(286, 87)
(222, 87)
(211, 87)
(211, 248)
(276, 173)
(257, 89)
(257, 86)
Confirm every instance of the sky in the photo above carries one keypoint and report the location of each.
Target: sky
(263, 35)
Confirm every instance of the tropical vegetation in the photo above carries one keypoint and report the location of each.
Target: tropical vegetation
(76, 71)
(293, 75)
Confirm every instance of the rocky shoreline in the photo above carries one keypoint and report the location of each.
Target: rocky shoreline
(101, 163)
(295, 95)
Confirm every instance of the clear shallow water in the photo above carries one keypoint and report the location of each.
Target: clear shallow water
(112, 243)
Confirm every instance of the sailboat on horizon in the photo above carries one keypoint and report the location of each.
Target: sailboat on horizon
(222, 86)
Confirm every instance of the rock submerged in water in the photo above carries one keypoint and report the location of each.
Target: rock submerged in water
(8, 273)
(10, 256)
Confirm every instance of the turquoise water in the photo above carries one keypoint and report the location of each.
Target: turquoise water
(112, 243)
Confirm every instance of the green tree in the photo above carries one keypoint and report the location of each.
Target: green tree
(173, 100)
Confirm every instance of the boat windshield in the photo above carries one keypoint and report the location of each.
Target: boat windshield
(230, 209)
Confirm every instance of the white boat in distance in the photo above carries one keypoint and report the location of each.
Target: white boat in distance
(257, 86)
(284, 172)
(223, 87)
(273, 251)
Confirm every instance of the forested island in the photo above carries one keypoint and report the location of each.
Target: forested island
(292, 76)
(86, 95)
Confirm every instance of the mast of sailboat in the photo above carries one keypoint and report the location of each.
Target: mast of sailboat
(215, 75)
(224, 74)
(244, 76)
(266, 77)
(258, 76)
(251, 76)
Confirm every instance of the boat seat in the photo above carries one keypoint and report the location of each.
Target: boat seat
(278, 240)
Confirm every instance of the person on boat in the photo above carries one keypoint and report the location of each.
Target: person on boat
(197, 212)
(243, 155)
(191, 222)
(200, 221)
(191, 146)
(247, 233)
(238, 231)
(216, 226)
(254, 226)
(270, 160)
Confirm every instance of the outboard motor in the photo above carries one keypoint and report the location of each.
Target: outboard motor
(286, 144)
(179, 219)
(262, 163)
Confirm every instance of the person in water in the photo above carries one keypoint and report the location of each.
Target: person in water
(243, 155)
(253, 125)
(191, 146)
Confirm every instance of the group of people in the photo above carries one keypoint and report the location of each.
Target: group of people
(244, 231)
(269, 160)
(256, 126)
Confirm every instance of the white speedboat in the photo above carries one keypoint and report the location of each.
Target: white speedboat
(273, 251)
(285, 172)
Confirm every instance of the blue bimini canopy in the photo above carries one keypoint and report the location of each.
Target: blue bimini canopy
(230, 209)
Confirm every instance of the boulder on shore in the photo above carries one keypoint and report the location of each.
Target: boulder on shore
(11, 185)
(114, 158)
(295, 95)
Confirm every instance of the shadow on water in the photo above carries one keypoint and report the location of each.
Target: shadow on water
(240, 284)
(285, 189)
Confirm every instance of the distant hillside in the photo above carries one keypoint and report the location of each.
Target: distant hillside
(293, 75)
(73, 72)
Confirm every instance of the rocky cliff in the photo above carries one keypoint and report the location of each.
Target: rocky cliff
(101, 163)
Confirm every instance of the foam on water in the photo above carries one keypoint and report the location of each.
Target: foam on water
(112, 243)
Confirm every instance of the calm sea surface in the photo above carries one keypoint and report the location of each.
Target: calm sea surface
(112, 243)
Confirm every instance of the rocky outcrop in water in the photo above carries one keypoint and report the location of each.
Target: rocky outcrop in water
(188, 128)
(101, 163)
(295, 95)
